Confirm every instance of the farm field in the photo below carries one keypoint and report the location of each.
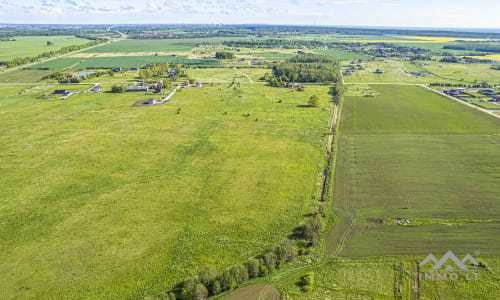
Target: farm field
(113, 201)
(407, 153)
(27, 46)
(138, 61)
(465, 73)
(343, 55)
(395, 71)
(226, 75)
(59, 63)
(165, 45)
(375, 278)
(23, 76)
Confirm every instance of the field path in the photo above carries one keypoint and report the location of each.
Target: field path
(244, 74)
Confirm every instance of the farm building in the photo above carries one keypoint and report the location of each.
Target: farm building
(151, 101)
(347, 73)
(136, 88)
(84, 74)
(96, 89)
(185, 84)
(293, 85)
(416, 73)
(63, 92)
(454, 92)
(487, 92)
(134, 68)
(117, 69)
(495, 99)
(199, 84)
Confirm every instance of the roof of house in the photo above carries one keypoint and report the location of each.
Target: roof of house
(136, 88)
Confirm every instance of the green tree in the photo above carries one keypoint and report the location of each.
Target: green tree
(307, 282)
(227, 281)
(253, 267)
(313, 101)
(50, 43)
(200, 292)
(216, 288)
(117, 89)
(287, 251)
(207, 276)
(270, 260)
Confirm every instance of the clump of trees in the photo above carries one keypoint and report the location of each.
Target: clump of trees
(307, 282)
(313, 101)
(224, 55)
(209, 282)
(306, 68)
(117, 88)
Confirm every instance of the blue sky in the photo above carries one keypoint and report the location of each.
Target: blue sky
(403, 13)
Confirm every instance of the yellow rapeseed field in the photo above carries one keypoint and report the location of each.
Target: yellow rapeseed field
(438, 39)
(490, 56)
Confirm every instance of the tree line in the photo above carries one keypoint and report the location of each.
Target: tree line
(474, 47)
(209, 282)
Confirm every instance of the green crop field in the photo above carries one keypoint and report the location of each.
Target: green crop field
(138, 61)
(165, 45)
(27, 46)
(99, 199)
(59, 63)
(23, 76)
(410, 154)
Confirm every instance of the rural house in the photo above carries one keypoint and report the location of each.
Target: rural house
(136, 88)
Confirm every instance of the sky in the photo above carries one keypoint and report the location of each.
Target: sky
(398, 13)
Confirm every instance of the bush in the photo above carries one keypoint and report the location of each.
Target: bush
(307, 282)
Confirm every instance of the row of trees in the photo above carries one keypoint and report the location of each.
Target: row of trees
(483, 84)
(474, 47)
(25, 60)
(209, 282)
(224, 55)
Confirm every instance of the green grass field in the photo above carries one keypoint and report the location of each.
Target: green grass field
(464, 73)
(375, 278)
(227, 74)
(138, 61)
(164, 45)
(59, 63)
(343, 55)
(27, 46)
(407, 153)
(103, 200)
(23, 76)
(394, 71)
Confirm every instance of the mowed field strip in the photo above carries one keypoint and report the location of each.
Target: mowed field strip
(110, 201)
(408, 153)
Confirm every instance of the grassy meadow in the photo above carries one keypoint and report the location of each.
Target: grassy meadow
(23, 76)
(100, 199)
(343, 55)
(395, 71)
(410, 154)
(27, 46)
